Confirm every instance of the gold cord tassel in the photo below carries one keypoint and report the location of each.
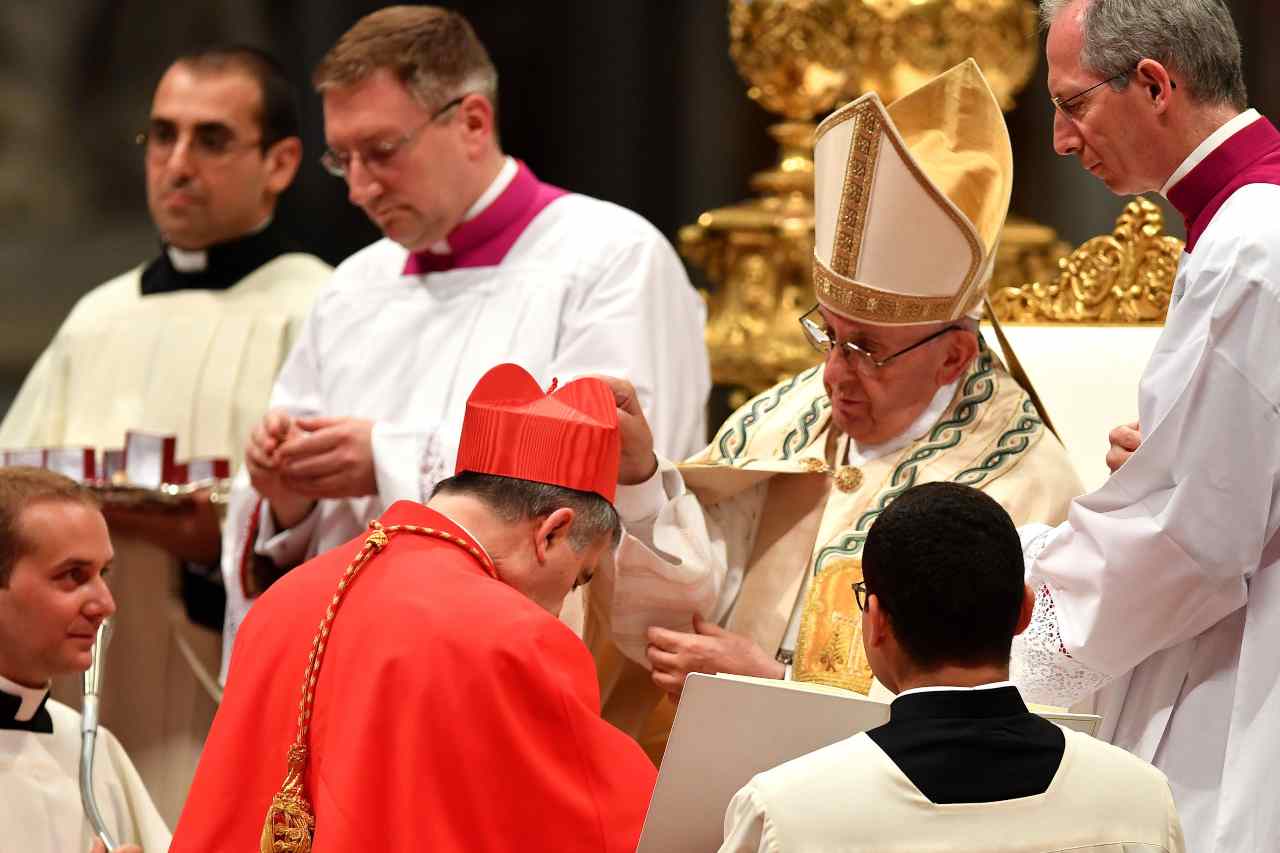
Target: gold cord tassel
(290, 822)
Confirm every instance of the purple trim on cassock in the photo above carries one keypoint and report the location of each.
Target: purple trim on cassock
(1251, 156)
(485, 240)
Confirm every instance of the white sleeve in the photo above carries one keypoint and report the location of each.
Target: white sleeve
(676, 557)
(297, 389)
(638, 317)
(747, 828)
(409, 461)
(1165, 549)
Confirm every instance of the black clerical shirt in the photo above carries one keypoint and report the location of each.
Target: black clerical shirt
(227, 263)
(971, 746)
(40, 723)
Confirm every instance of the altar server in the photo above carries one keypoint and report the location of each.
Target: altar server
(1162, 587)
(445, 707)
(760, 534)
(962, 764)
(481, 263)
(54, 556)
(189, 342)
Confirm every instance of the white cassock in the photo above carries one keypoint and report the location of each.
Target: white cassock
(851, 797)
(1163, 583)
(196, 363)
(586, 287)
(40, 809)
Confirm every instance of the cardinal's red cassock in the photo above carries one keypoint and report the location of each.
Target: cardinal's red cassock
(451, 714)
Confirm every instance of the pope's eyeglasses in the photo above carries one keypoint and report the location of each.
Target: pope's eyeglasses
(822, 339)
(378, 156)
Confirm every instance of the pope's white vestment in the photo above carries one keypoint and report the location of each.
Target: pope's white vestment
(40, 810)
(1163, 584)
(587, 287)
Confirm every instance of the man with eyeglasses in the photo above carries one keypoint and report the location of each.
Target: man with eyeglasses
(962, 764)
(1162, 590)
(189, 342)
(741, 559)
(481, 263)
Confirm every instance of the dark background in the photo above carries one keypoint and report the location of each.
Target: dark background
(634, 101)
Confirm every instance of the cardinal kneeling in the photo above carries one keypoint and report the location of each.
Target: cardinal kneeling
(413, 688)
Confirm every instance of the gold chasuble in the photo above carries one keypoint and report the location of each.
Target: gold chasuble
(990, 437)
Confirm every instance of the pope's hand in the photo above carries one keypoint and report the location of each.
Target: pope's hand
(710, 649)
(262, 461)
(638, 462)
(1124, 440)
(331, 458)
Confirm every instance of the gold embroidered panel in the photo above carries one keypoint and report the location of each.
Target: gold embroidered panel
(877, 306)
(855, 196)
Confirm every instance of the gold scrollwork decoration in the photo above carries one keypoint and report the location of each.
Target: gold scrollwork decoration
(1122, 277)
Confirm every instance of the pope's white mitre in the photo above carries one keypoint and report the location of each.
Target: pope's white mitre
(910, 201)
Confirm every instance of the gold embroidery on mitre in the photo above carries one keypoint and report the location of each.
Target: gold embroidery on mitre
(859, 302)
(855, 196)
(829, 648)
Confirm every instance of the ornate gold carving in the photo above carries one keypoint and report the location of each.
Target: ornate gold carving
(1124, 277)
(801, 58)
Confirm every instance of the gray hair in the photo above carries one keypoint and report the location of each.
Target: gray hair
(1196, 37)
(515, 500)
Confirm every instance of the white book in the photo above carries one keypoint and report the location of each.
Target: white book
(728, 728)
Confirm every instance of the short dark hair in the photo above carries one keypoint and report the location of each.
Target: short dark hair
(946, 564)
(20, 487)
(278, 116)
(520, 500)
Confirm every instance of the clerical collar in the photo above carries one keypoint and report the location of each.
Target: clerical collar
(994, 685)
(216, 268)
(988, 700)
(23, 708)
(1250, 155)
(1210, 144)
(500, 182)
(502, 213)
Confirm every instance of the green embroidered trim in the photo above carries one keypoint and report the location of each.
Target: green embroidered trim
(798, 438)
(978, 389)
(734, 435)
(1012, 443)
